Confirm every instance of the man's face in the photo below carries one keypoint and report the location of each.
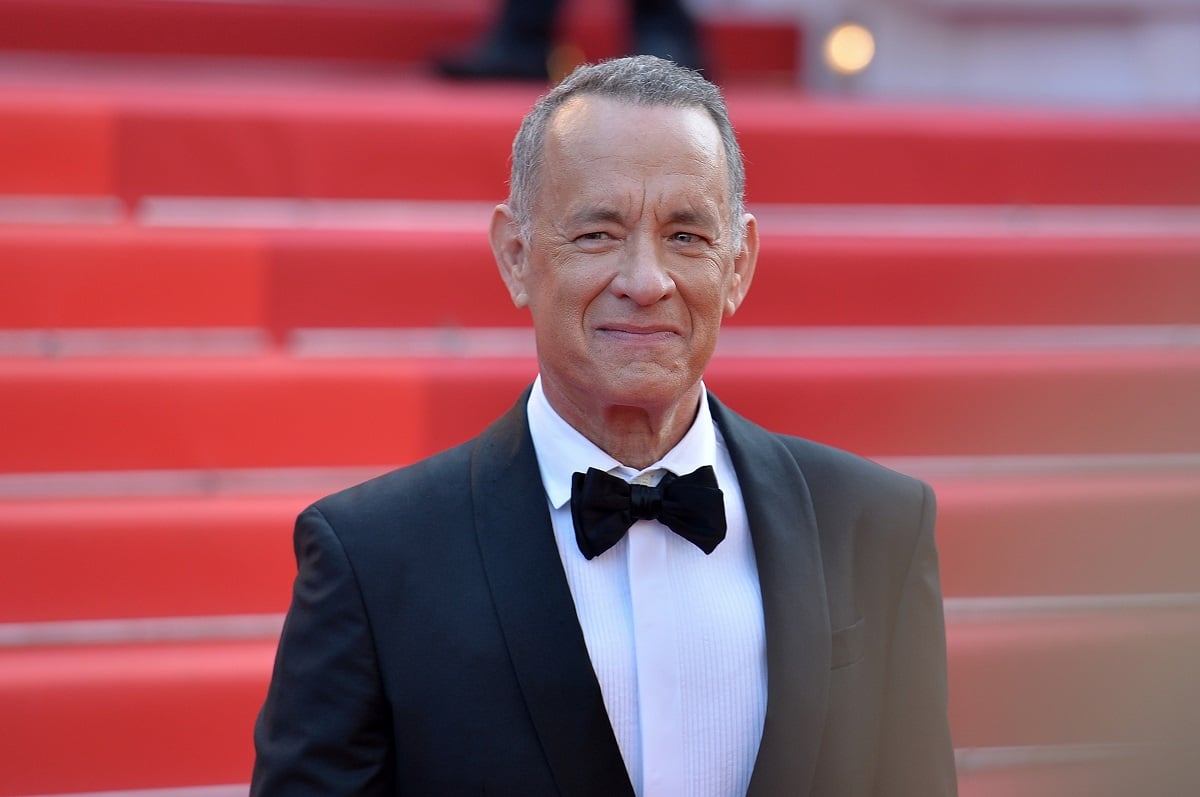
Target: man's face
(631, 264)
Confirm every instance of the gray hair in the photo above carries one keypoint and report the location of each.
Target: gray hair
(639, 80)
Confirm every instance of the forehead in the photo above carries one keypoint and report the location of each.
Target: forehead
(593, 131)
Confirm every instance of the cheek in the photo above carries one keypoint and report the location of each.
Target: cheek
(577, 292)
(558, 315)
(706, 291)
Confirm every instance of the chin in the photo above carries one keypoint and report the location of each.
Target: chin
(657, 389)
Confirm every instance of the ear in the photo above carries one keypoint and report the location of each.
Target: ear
(508, 246)
(743, 266)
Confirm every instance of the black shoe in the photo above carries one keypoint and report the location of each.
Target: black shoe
(498, 60)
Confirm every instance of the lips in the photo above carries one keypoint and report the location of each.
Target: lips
(638, 330)
(638, 344)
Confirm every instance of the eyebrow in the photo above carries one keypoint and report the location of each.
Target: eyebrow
(691, 216)
(596, 215)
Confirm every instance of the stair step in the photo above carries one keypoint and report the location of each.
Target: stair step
(741, 47)
(126, 716)
(1126, 528)
(1109, 675)
(103, 413)
(1078, 771)
(113, 717)
(156, 557)
(1119, 530)
(442, 274)
(276, 134)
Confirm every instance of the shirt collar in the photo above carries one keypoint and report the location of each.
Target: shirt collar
(563, 451)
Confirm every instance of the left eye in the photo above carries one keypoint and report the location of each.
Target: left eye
(685, 237)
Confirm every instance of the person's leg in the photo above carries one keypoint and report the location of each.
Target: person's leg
(516, 47)
(666, 29)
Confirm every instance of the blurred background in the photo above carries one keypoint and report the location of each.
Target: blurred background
(243, 262)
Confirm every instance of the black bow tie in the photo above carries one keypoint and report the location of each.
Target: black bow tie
(604, 507)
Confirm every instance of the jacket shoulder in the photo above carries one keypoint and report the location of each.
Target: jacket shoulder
(432, 493)
(825, 469)
(825, 466)
(427, 489)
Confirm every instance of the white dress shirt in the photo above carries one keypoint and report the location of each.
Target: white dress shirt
(675, 637)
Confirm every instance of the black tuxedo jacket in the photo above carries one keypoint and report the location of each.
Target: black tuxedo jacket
(432, 646)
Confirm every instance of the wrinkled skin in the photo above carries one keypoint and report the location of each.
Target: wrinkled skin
(630, 268)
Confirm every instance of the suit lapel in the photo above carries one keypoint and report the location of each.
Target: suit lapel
(795, 610)
(537, 613)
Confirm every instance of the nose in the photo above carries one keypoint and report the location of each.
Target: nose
(642, 275)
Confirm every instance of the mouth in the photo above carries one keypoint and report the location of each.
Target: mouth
(637, 334)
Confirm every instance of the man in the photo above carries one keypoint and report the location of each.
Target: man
(482, 623)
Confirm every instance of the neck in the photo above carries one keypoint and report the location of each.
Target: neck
(635, 436)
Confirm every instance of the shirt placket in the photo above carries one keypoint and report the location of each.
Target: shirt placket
(658, 668)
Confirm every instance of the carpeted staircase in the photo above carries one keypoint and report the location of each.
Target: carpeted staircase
(243, 263)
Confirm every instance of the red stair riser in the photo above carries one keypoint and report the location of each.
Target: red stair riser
(143, 716)
(113, 414)
(127, 276)
(354, 144)
(1047, 535)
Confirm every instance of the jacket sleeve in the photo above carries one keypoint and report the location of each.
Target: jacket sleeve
(325, 727)
(916, 756)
